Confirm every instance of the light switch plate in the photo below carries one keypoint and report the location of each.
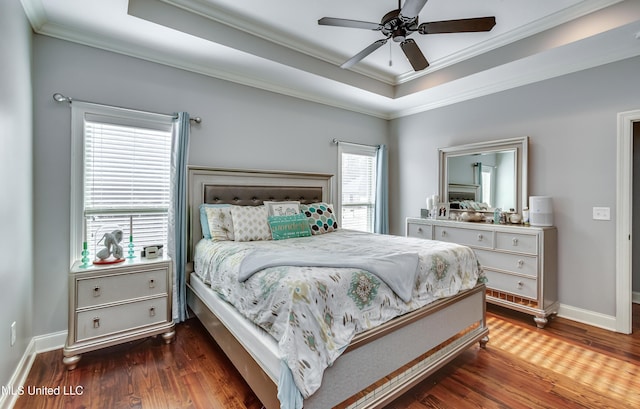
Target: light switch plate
(601, 213)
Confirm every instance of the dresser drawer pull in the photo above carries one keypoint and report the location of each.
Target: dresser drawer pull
(520, 263)
(443, 233)
(520, 284)
(152, 283)
(96, 291)
(419, 229)
(96, 322)
(152, 311)
(515, 241)
(480, 237)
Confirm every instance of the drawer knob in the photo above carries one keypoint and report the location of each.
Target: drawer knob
(515, 241)
(480, 237)
(444, 233)
(96, 322)
(152, 283)
(96, 291)
(520, 284)
(419, 229)
(520, 263)
(152, 311)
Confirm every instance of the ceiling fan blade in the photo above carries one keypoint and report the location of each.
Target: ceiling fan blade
(414, 55)
(341, 22)
(412, 8)
(465, 25)
(356, 58)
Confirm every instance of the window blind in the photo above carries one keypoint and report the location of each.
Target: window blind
(126, 179)
(358, 187)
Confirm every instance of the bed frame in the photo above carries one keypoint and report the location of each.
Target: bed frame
(380, 364)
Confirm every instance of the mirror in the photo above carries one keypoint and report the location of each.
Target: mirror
(492, 172)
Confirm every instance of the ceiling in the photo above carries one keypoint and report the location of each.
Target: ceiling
(278, 45)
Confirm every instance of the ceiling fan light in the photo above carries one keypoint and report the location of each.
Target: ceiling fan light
(399, 35)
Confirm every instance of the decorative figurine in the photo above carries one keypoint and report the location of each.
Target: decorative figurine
(111, 246)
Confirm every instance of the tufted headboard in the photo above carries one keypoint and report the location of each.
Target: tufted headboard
(249, 188)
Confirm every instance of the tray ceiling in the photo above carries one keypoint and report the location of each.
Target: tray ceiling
(279, 46)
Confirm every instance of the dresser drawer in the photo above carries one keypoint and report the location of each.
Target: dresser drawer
(420, 231)
(468, 237)
(120, 287)
(518, 263)
(520, 286)
(118, 318)
(522, 243)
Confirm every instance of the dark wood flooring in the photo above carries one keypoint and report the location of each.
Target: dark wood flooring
(566, 365)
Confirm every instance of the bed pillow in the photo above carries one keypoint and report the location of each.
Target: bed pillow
(288, 208)
(286, 227)
(321, 217)
(220, 223)
(204, 221)
(250, 223)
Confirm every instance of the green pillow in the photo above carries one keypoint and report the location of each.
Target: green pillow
(286, 227)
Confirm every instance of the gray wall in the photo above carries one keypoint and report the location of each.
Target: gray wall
(242, 127)
(16, 240)
(571, 121)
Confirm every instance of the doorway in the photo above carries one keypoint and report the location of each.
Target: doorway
(627, 122)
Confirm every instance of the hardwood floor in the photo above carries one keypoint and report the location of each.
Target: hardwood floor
(566, 365)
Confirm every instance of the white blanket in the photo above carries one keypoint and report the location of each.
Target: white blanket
(397, 270)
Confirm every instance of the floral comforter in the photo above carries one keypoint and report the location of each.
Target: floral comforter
(314, 312)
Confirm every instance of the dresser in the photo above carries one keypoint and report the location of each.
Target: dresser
(520, 262)
(116, 303)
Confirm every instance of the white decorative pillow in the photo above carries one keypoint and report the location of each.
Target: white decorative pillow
(290, 208)
(250, 223)
(220, 223)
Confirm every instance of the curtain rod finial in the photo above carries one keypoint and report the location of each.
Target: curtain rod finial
(335, 141)
(197, 119)
(58, 97)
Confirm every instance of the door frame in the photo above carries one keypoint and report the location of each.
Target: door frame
(624, 206)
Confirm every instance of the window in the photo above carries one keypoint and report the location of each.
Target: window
(357, 186)
(120, 177)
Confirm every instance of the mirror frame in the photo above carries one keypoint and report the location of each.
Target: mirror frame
(521, 146)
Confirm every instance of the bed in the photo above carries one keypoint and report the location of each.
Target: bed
(354, 379)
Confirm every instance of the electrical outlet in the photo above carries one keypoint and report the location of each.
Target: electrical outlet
(13, 333)
(601, 213)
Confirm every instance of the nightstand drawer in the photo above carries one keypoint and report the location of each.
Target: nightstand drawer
(468, 237)
(120, 287)
(520, 286)
(118, 318)
(517, 263)
(522, 243)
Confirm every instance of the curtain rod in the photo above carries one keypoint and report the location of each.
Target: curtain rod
(58, 97)
(336, 141)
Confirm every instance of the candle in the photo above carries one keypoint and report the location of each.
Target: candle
(130, 226)
(84, 230)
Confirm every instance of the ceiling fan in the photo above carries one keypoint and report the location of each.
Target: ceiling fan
(401, 23)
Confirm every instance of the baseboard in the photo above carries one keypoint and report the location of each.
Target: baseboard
(595, 319)
(49, 342)
(43, 343)
(12, 390)
(635, 297)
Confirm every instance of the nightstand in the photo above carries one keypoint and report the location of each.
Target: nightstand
(116, 303)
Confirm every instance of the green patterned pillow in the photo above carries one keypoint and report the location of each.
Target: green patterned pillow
(321, 217)
(286, 227)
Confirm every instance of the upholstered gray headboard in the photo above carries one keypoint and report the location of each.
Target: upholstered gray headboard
(249, 188)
